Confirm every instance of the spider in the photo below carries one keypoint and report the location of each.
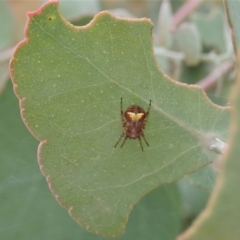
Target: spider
(134, 120)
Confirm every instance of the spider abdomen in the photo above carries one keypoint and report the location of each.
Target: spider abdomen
(133, 129)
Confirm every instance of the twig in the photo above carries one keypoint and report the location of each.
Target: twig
(162, 51)
(209, 81)
(184, 12)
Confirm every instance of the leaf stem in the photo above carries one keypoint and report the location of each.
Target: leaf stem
(162, 51)
(209, 57)
(183, 12)
(209, 81)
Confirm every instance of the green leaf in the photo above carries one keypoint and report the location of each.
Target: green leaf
(208, 24)
(70, 81)
(30, 211)
(76, 9)
(157, 214)
(220, 220)
(189, 42)
(28, 207)
(4, 75)
(164, 24)
(204, 178)
(6, 25)
(194, 199)
(233, 8)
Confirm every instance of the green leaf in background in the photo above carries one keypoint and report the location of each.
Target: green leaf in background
(204, 178)
(70, 81)
(189, 42)
(164, 24)
(75, 9)
(4, 75)
(220, 220)
(156, 215)
(233, 8)
(28, 209)
(213, 22)
(6, 27)
(6, 39)
(193, 74)
(194, 200)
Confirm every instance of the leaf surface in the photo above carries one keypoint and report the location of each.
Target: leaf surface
(31, 212)
(70, 81)
(28, 209)
(204, 178)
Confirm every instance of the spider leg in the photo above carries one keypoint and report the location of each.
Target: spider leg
(124, 140)
(123, 124)
(140, 141)
(149, 106)
(143, 136)
(119, 139)
(122, 114)
(147, 113)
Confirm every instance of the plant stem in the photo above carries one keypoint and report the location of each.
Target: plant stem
(183, 12)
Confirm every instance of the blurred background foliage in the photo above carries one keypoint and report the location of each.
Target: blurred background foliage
(192, 44)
